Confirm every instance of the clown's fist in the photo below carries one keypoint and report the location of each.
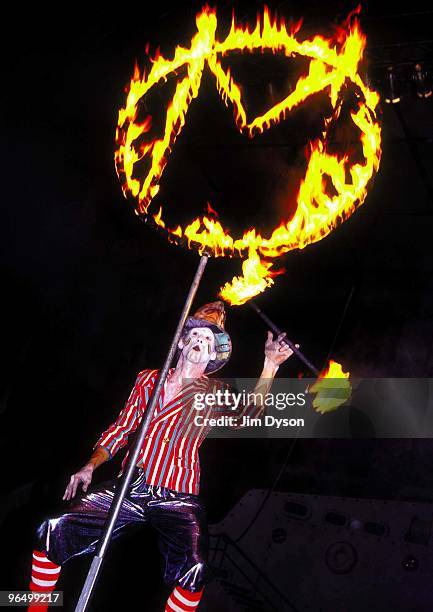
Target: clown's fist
(277, 351)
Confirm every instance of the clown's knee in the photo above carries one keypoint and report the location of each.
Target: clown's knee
(195, 578)
(49, 536)
(42, 532)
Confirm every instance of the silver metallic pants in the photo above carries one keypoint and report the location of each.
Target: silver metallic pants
(179, 519)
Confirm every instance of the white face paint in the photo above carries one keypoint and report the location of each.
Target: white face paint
(198, 346)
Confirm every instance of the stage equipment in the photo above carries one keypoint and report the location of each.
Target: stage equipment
(422, 82)
(392, 87)
(320, 552)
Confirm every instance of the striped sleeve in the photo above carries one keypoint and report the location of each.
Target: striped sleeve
(116, 436)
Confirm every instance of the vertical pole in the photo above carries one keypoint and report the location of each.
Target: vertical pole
(124, 481)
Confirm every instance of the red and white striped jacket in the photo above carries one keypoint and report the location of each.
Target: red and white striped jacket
(169, 455)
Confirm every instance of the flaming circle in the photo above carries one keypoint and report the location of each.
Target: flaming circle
(334, 63)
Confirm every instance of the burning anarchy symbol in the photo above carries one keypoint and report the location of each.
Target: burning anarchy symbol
(334, 63)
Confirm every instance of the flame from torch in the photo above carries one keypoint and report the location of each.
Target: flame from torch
(333, 63)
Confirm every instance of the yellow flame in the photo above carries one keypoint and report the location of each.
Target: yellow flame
(255, 279)
(332, 388)
(317, 213)
(334, 370)
(158, 218)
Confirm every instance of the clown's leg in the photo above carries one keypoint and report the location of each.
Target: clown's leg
(183, 538)
(45, 574)
(182, 600)
(74, 533)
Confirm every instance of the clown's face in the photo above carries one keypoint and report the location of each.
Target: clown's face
(198, 346)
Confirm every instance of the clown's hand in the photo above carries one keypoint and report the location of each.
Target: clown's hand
(277, 351)
(83, 477)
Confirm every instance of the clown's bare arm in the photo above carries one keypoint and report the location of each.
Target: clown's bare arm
(84, 476)
(111, 440)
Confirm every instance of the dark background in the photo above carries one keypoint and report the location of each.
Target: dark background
(91, 295)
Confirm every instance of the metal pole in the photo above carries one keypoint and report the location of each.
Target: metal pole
(277, 330)
(122, 485)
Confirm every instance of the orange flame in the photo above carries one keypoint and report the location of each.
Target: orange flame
(333, 63)
(211, 211)
(334, 370)
(332, 388)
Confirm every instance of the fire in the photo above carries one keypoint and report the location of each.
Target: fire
(332, 388)
(333, 63)
(334, 370)
(255, 278)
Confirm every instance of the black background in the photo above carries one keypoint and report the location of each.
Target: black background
(91, 295)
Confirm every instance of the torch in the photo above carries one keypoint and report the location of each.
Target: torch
(289, 343)
(332, 387)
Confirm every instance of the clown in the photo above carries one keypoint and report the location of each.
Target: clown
(164, 491)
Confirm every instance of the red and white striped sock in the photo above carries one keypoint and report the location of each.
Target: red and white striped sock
(45, 574)
(182, 600)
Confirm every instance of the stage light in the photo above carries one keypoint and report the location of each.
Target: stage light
(392, 95)
(422, 82)
(410, 563)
